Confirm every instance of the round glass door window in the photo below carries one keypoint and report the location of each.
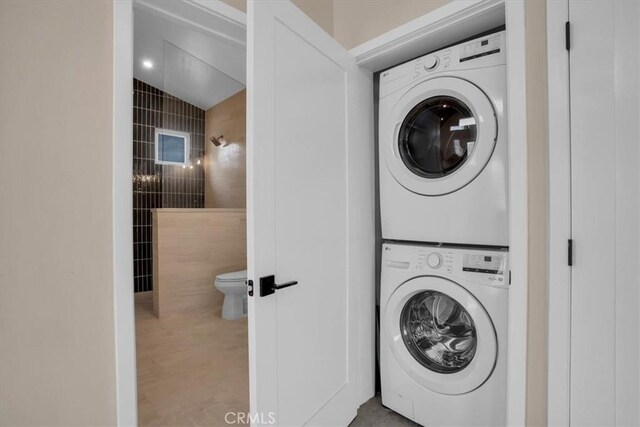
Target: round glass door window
(437, 137)
(438, 332)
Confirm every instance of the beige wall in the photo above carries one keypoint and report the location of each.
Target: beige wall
(190, 248)
(537, 152)
(352, 22)
(357, 21)
(57, 345)
(321, 11)
(225, 167)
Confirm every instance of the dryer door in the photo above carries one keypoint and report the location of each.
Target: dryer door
(441, 135)
(441, 335)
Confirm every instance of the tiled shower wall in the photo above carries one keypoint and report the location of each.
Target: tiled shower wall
(161, 186)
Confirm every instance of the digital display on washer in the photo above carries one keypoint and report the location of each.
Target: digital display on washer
(490, 264)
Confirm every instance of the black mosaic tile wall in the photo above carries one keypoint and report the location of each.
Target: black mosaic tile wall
(161, 186)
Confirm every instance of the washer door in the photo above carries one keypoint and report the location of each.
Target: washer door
(442, 134)
(441, 335)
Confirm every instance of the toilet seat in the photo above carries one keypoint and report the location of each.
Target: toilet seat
(235, 276)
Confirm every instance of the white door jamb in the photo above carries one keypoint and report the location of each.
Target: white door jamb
(559, 216)
(123, 307)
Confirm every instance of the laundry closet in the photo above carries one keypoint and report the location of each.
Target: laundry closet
(409, 131)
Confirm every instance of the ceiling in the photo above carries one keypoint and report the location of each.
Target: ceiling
(191, 61)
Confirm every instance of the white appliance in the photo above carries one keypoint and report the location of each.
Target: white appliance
(443, 146)
(443, 338)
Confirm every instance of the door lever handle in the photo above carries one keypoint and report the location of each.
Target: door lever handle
(284, 285)
(269, 286)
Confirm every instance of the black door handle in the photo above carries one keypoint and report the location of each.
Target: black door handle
(268, 285)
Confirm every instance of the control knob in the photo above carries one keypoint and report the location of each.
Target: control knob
(431, 62)
(434, 260)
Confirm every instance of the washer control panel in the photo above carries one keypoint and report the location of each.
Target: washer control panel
(434, 260)
(431, 63)
(483, 263)
(427, 258)
(484, 266)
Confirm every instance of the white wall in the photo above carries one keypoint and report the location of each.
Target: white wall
(57, 348)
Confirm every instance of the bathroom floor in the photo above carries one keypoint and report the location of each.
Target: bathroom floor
(192, 368)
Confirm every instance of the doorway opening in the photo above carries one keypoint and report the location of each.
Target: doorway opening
(189, 216)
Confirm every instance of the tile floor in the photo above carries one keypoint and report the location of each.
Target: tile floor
(192, 369)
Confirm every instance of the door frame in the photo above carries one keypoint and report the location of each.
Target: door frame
(123, 302)
(560, 213)
(559, 351)
(430, 32)
(122, 170)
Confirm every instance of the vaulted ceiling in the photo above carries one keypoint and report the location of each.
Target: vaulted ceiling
(200, 61)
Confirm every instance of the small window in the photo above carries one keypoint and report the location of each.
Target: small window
(172, 147)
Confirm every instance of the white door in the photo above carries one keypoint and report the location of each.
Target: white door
(309, 122)
(605, 164)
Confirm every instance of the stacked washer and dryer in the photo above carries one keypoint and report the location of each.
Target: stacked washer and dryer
(444, 218)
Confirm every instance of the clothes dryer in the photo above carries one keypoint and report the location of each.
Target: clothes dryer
(443, 146)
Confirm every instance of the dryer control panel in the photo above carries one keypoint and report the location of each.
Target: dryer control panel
(478, 48)
(486, 51)
(484, 266)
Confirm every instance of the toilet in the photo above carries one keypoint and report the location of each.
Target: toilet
(234, 288)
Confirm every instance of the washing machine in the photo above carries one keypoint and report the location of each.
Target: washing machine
(443, 146)
(443, 334)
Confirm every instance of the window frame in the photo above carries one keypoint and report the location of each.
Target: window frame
(170, 132)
